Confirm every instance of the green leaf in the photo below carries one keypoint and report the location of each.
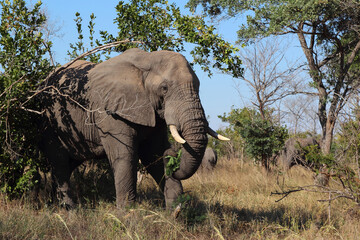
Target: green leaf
(173, 163)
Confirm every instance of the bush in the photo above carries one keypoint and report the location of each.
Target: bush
(263, 139)
(22, 57)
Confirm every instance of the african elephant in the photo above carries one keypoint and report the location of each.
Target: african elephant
(209, 160)
(120, 109)
(293, 153)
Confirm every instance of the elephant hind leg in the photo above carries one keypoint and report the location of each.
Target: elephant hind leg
(61, 168)
(63, 193)
(155, 167)
(61, 173)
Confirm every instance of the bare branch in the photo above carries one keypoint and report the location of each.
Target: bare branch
(285, 193)
(267, 78)
(59, 93)
(318, 189)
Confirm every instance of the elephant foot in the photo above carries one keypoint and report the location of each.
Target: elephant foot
(126, 204)
(67, 203)
(172, 190)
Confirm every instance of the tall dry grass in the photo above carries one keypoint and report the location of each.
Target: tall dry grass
(232, 202)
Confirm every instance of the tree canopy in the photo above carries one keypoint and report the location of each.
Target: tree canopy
(329, 35)
(159, 25)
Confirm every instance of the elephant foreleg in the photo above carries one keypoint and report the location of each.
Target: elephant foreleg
(172, 190)
(123, 159)
(125, 181)
(173, 187)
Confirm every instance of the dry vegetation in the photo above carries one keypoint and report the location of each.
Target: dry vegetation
(233, 202)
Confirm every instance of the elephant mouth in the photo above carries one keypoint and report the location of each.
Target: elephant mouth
(174, 132)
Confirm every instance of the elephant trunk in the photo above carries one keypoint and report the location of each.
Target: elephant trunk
(192, 124)
(192, 151)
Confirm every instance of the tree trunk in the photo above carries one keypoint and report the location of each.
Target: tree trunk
(328, 136)
(265, 163)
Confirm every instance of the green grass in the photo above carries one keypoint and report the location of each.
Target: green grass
(232, 202)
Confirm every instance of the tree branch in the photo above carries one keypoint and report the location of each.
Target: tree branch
(352, 56)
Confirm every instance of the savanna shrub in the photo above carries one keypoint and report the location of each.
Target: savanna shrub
(262, 138)
(23, 61)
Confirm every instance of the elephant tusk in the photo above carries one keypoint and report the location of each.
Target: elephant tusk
(217, 136)
(176, 134)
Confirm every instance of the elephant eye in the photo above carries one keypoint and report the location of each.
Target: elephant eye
(164, 89)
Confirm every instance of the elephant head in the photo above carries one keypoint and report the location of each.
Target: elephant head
(155, 85)
(293, 152)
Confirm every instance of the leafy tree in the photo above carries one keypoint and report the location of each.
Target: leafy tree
(160, 25)
(263, 139)
(23, 62)
(328, 32)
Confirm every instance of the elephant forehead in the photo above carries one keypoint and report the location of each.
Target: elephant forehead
(182, 75)
(172, 63)
(168, 56)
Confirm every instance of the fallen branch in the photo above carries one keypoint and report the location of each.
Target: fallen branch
(285, 193)
(332, 195)
(319, 189)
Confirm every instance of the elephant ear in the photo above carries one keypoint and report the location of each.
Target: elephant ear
(117, 87)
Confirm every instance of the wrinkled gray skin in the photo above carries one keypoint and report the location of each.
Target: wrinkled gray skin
(292, 154)
(120, 110)
(209, 160)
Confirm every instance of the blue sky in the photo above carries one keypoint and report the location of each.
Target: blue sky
(218, 93)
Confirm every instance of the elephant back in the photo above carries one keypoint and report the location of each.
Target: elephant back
(65, 83)
(209, 160)
(71, 80)
(64, 100)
